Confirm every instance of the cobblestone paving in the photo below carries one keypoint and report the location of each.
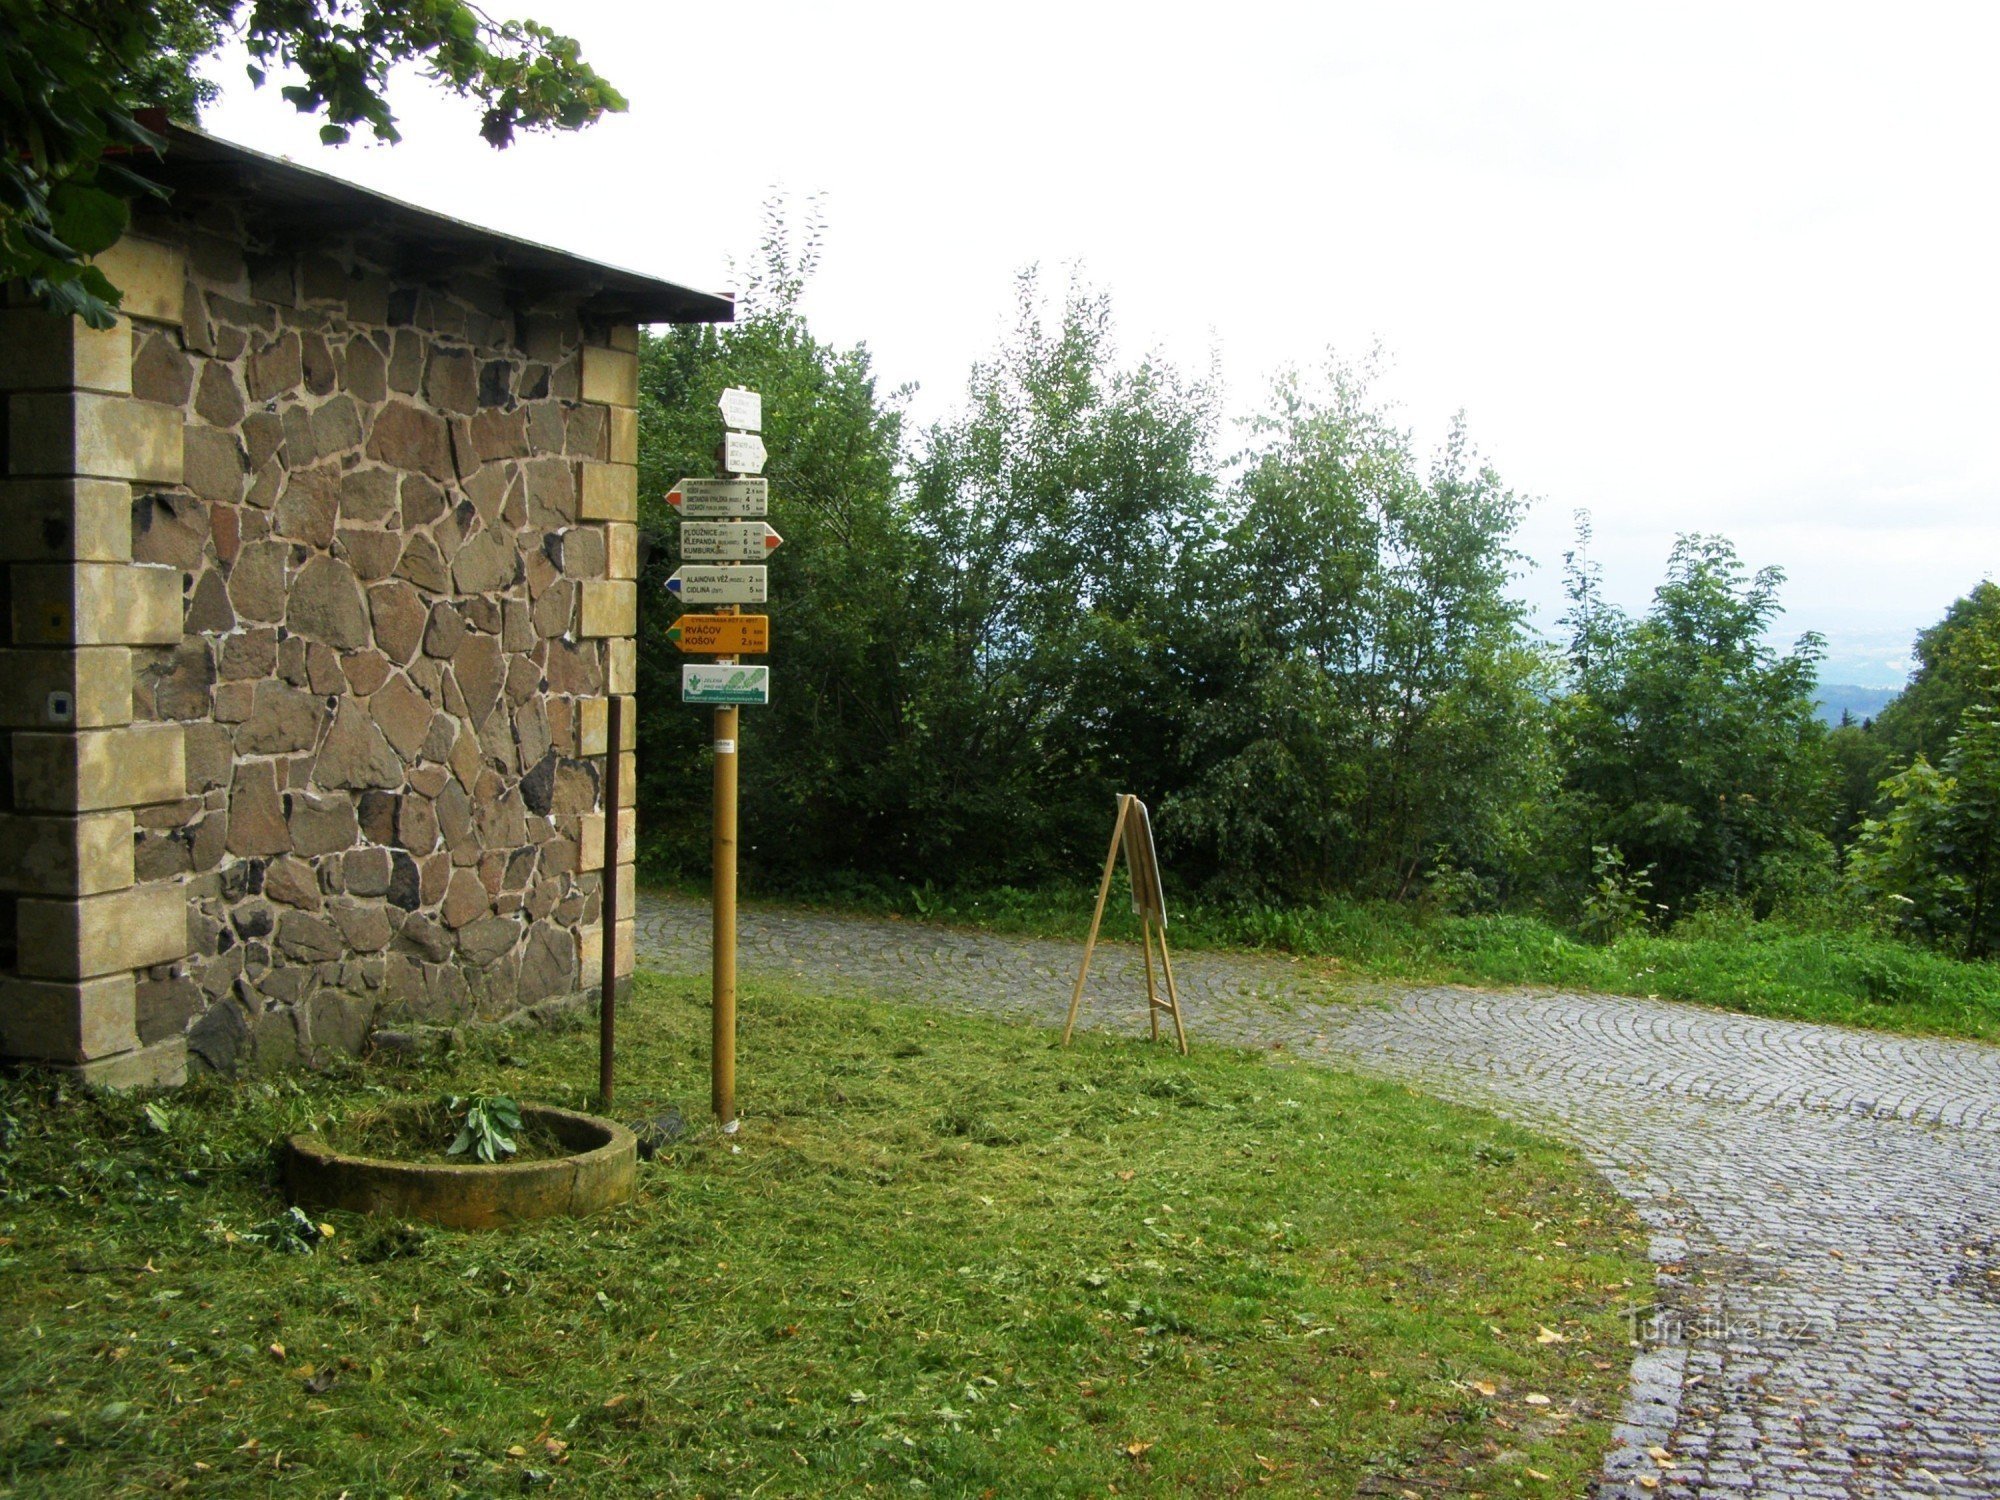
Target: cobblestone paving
(1825, 1204)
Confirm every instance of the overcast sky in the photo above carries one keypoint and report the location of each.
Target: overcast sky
(1691, 267)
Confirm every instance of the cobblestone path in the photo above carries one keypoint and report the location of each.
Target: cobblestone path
(1825, 1203)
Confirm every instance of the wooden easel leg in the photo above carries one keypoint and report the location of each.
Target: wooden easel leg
(1173, 994)
(1152, 995)
(1096, 918)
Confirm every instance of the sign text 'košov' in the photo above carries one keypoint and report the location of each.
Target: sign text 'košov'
(727, 541)
(724, 685)
(722, 635)
(720, 499)
(743, 453)
(740, 583)
(742, 409)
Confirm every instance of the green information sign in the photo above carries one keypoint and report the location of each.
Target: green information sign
(724, 685)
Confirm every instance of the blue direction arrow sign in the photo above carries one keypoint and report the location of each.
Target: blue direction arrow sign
(719, 583)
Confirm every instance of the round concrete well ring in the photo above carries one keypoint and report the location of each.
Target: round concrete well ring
(598, 1172)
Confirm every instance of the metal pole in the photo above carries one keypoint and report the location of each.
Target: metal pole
(607, 1005)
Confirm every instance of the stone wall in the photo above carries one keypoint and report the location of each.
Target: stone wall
(347, 576)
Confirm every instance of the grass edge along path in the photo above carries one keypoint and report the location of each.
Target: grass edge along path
(945, 1257)
(1769, 968)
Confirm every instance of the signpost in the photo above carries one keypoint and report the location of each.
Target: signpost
(722, 552)
(717, 499)
(722, 635)
(728, 541)
(727, 583)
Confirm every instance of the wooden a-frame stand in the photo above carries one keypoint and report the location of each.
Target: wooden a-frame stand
(1133, 832)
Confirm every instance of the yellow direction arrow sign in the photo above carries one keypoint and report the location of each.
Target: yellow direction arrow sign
(722, 635)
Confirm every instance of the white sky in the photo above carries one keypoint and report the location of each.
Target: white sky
(1693, 267)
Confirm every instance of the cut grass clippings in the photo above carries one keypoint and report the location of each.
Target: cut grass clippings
(944, 1256)
(1844, 976)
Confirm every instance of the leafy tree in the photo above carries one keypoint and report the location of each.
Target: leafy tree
(1931, 862)
(73, 74)
(1381, 706)
(1689, 745)
(1955, 661)
(820, 787)
(1861, 758)
(1059, 515)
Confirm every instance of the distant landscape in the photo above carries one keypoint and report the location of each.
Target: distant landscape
(1832, 699)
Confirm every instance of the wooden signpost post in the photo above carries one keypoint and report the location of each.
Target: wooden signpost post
(717, 542)
(1133, 833)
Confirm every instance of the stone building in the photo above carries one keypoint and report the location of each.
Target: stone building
(319, 570)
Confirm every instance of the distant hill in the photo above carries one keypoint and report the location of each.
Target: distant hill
(1861, 702)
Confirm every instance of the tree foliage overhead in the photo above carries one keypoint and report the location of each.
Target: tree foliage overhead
(74, 74)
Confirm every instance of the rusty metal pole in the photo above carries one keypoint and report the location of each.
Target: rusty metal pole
(607, 1004)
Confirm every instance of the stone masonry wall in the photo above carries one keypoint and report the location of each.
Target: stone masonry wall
(403, 541)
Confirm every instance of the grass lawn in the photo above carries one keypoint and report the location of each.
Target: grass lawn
(1851, 978)
(944, 1257)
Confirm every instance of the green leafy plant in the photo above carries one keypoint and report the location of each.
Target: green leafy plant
(1616, 901)
(488, 1125)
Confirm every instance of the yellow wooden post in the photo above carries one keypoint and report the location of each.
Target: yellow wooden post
(1173, 995)
(722, 1069)
(1096, 917)
(1152, 996)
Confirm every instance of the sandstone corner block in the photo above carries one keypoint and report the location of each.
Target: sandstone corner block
(610, 492)
(67, 856)
(608, 609)
(47, 352)
(121, 930)
(130, 766)
(94, 685)
(96, 604)
(152, 276)
(610, 376)
(68, 1022)
(66, 520)
(105, 437)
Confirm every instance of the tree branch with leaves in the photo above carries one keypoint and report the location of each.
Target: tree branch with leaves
(74, 75)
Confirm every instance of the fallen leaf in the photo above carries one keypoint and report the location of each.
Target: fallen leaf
(1550, 1336)
(1648, 1482)
(277, 1351)
(1486, 1387)
(1536, 1474)
(1537, 1399)
(1134, 1449)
